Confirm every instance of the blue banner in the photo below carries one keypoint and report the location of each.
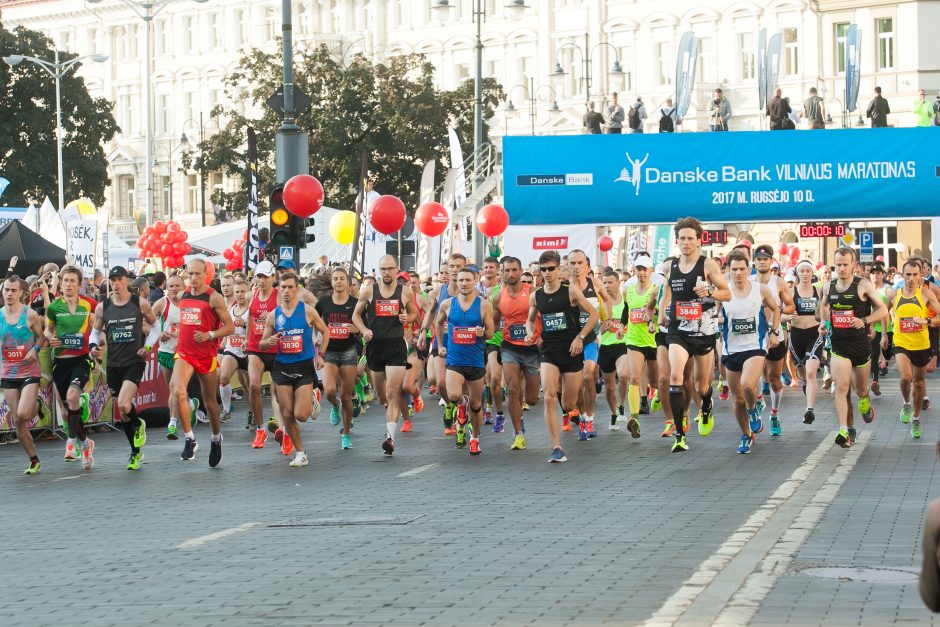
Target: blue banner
(773, 64)
(686, 60)
(721, 177)
(853, 57)
(762, 67)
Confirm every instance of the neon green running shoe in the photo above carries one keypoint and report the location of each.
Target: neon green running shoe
(680, 446)
(865, 408)
(906, 411)
(656, 404)
(518, 444)
(133, 462)
(140, 434)
(916, 429)
(84, 402)
(172, 433)
(461, 438)
(705, 424)
(33, 469)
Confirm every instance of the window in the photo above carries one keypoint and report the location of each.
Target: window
(91, 37)
(748, 46)
(705, 67)
(461, 72)
(625, 56)
(791, 52)
(65, 41)
(124, 119)
(192, 193)
(885, 243)
(161, 38)
(842, 33)
(238, 32)
(270, 24)
(125, 196)
(166, 198)
(191, 101)
(132, 40)
(118, 43)
(885, 28)
(190, 34)
(163, 114)
(215, 31)
(665, 64)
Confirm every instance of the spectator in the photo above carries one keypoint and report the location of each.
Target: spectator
(936, 111)
(778, 110)
(157, 285)
(923, 112)
(593, 120)
(615, 116)
(668, 117)
(878, 110)
(141, 287)
(720, 114)
(636, 115)
(814, 110)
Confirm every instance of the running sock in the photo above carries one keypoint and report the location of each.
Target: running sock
(706, 401)
(226, 392)
(677, 402)
(190, 435)
(129, 430)
(775, 399)
(34, 459)
(390, 428)
(216, 437)
(134, 419)
(589, 419)
(174, 422)
(633, 399)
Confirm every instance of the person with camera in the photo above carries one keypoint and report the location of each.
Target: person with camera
(720, 114)
(778, 110)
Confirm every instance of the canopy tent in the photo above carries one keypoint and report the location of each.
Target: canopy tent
(31, 250)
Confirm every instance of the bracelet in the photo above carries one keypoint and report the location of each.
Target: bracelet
(36, 348)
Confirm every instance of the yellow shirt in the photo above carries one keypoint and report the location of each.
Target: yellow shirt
(908, 334)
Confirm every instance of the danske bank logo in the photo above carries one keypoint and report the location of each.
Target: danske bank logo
(528, 180)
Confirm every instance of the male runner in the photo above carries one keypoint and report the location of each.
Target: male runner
(612, 358)
(289, 328)
(417, 356)
(596, 296)
(234, 358)
(806, 345)
(122, 318)
(390, 306)
(227, 284)
(469, 320)
(167, 310)
(557, 305)
(877, 276)
(850, 303)
(263, 301)
(204, 320)
(341, 358)
(70, 319)
(21, 339)
(640, 341)
(489, 289)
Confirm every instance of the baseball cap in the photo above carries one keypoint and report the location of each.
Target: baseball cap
(878, 267)
(643, 261)
(744, 243)
(286, 264)
(265, 268)
(403, 275)
(764, 250)
(472, 268)
(118, 271)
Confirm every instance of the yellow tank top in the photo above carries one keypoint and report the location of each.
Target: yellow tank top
(908, 334)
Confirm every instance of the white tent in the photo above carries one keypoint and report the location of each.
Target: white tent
(51, 227)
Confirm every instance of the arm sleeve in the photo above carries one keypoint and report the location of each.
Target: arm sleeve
(154, 336)
(94, 337)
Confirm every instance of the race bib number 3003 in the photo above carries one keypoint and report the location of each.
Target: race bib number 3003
(842, 319)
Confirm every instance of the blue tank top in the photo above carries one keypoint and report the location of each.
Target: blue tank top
(441, 297)
(464, 348)
(296, 343)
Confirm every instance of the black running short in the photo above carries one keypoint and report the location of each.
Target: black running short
(558, 355)
(295, 375)
(934, 334)
(735, 361)
(608, 355)
(469, 373)
(919, 359)
(806, 344)
(859, 353)
(70, 371)
(649, 352)
(694, 345)
(267, 359)
(117, 375)
(18, 384)
(242, 361)
(492, 348)
(386, 352)
(662, 339)
(778, 352)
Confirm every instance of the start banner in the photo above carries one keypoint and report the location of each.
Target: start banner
(721, 177)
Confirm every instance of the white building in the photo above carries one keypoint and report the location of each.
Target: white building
(195, 45)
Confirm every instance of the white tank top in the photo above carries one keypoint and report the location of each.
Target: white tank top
(745, 323)
(773, 286)
(235, 343)
(171, 324)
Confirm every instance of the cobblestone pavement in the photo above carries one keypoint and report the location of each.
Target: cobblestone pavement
(798, 532)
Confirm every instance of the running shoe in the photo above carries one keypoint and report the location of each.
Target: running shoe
(883, 369)
(575, 417)
(518, 444)
(853, 435)
(633, 426)
(614, 426)
(582, 432)
(591, 433)
(774, 425)
(906, 411)
(685, 423)
(680, 446)
(785, 377)
(644, 406)
(827, 380)
(557, 457)
(761, 406)
(356, 406)
(345, 443)
(432, 390)
(88, 454)
(916, 430)
(656, 404)
(172, 433)
(875, 388)
(526, 407)
(71, 453)
(500, 425)
(766, 390)
(566, 422)
(249, 420)
(273, 427)
(140, 434)
(724, 393)
(461, 416)
(755, 422)
(487, 416)
(809, 416)
(189, 449)
(620, 409)
(925, 404)
(599, 385)
(215, 452)
(278, 435)
(669, 431)
(226, 416)
(842, 438)
(300, 459)
(287, 446)
(706, 422)
(745, 447)
(406, 425)
(866, 409)
(261, 436)
(442, 402)
(33, 468)
(418, 404)
(388, 446)
(475, 446)
(461, 441)
(334, 415)
(133, 462)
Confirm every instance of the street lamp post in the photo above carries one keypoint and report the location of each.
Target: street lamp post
(147, 10)
(184, 144)
(531, 94)
(57, 70)
(586, 54)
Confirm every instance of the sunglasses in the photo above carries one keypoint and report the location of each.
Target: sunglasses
(528, 282)
(547, 268)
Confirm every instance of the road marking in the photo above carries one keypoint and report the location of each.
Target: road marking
(218, 535)
(749, 561)
(69, 478)
(416, 471)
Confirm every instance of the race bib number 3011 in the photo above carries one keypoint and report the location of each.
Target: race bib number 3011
(14, 354)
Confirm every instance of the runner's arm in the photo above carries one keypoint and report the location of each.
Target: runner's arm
(429, 310)
(530, 321)
(786, 297)
(770, 302)
(822, 309)
(360, 309)
(663, 304)
(879, 309)
(407, 297)
(35, 322)
(269, 337)
(933, 303)
(721, 291)
(488, 325)
(315, 321)
(439, 321)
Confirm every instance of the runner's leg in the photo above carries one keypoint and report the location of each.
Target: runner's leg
(21, 413)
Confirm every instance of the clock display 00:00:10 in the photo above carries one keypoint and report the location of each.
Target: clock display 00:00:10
(822, 229)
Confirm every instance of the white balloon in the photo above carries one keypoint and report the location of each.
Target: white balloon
(900, 247)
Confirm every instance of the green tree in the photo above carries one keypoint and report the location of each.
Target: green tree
(28, 126)
(391, 109)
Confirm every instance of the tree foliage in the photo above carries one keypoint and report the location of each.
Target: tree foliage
(391, 109)
(28, 126)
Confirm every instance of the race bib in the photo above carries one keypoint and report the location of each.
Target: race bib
(14, 354)
(636, 316)
(806, 305)
(340, 331)
(387, 308)
(909, 326)
(257, 326)
(747, 326)
(290, 344)
(842, 319)
(689, 311)
(553, 322)
(175, 328)
(122, 335)
(236, 341)
(616, 325)
(191, 316)
(464, 335)
(72, 341)
(517, 332)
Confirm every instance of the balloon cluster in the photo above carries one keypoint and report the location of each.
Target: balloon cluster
(234, 254)
(793, 252)
(165, 241)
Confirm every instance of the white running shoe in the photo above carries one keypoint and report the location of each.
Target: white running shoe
(300, 459)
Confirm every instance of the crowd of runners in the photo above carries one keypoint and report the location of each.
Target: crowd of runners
(486, 341)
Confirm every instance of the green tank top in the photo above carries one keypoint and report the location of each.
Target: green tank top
(883, 291)
(609, 338)
(638, 333)
(497, 339)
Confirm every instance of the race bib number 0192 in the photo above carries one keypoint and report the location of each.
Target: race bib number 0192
(72, 341)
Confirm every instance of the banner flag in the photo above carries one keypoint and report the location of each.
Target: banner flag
(774, 49)
(661, 243)
(357, 259)
(686, 60)
(762, 92)
(423, 258)
(253, 244)
(853, 58)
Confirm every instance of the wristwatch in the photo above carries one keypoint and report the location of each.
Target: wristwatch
(212, 335)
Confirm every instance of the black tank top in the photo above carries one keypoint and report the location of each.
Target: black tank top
(589, 293)
(694, 310)
(338, 319)
(383, 314)
(124, 332)
(560, 322)
(843, 306)
(805, 306)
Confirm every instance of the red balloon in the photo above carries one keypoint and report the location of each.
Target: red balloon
(173, 227)
(231, 264)
(605, 243)
(148, 230)
(784, 249)
(388, 214)
(141, 241)
(182, 236)
(245, 234)
(178, 249)
(492, 220)
(794, 253)
(166, 250)
(431, 219)
(880, 258)
(228, 253)
(819, 265)
(210, 271)
(187, 248)
(159, 227)
(303, 195)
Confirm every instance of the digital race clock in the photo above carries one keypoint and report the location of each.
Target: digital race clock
(822, 229)
(714, 237)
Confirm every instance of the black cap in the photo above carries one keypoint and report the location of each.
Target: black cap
(764, 250)
(117, 271)
(878, 267)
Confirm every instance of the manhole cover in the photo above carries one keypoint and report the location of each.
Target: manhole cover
(866, 575)
(345, 522)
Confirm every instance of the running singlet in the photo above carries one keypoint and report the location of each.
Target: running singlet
(514, 312)
(383, 315)
(609, 337)
(772, 285)
(17, 340)
(638, 331)
(493, 296)
(338, 319)
(690, 314)
(124, 332)
(170, 323)
(72, 329)
(591, 295)
(560, 320)
(883, 292)
(845, 307)
(235, 343)
(296, 342)
(745, 327)
(805, 305)
(196, 314)
(443, 295)
(464, 348)
(258, 311)
(908, 334)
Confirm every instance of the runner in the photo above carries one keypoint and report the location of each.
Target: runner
(640, 341)
(557, 305)
(520, 360)
(227, 287)
(234, 358)
(747, 336)
(912, 305)
(341, 358)
(612, 358)
(289, 328)
(204, 320)
(693, 288)
(167, 310)
(489, 289)
(263, 301)
(390, 306)
(469, 320)
(877, 276)
(122, 318)
(416, 355)
(22, 339)
(850, 304)
(806, 345)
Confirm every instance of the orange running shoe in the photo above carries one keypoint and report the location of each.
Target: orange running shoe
(406, 426)
(669, 431)
(451, 430)
(418, 404)
(432, 390)
(475, 446)
(287, 447)
(71, 453)
(566, 423)
(261, 436)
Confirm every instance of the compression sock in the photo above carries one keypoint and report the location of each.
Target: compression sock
(677, 402)
(633, 399)
(706, 401)
(226, 392)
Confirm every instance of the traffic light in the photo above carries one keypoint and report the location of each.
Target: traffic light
(280, 220)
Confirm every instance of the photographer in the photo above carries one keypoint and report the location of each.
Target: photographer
(720, 113)
(778, 109)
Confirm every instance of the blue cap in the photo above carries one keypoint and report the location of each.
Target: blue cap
(472, 268)
(286, 264)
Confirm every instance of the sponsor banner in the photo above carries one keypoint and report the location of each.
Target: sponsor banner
(853, 57)
(662, 243)
(82, 235)
(550, 243)
(153, 392)
(686, 60)
(774, 49)
(762, 68)
(253, 244)
(754, 176)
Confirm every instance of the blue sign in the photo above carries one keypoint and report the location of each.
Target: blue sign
(721, 177)
(866, 246)
(286, 253)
